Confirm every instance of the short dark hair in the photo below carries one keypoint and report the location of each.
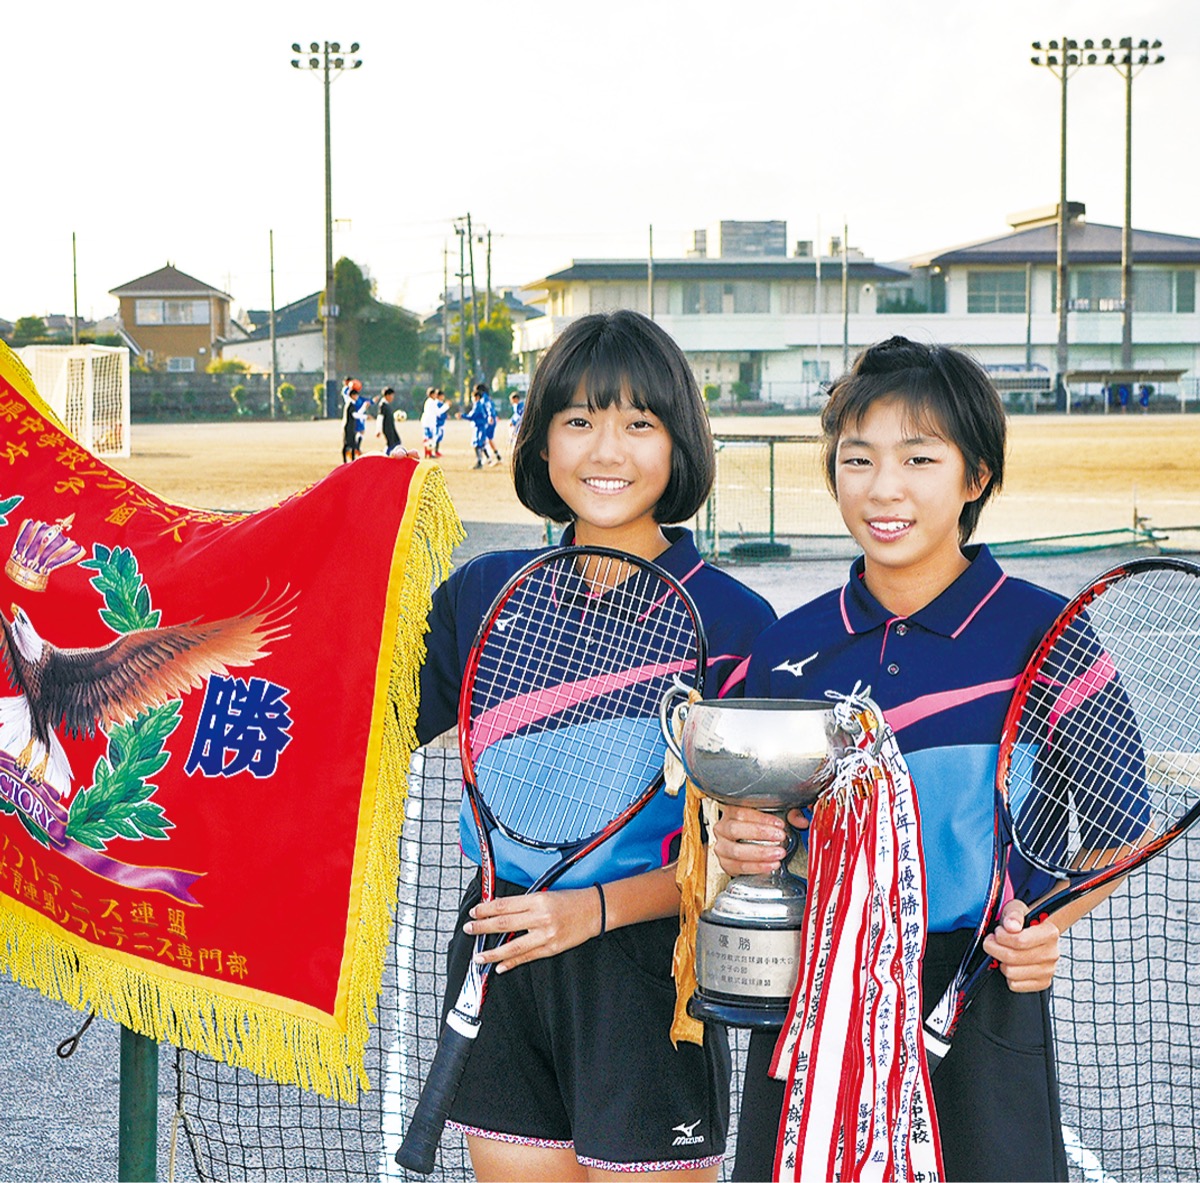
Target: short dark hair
(610, 355)
(386, 391)
(936, 384)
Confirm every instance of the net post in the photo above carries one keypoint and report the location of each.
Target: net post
(137, 1140)
(771, 490)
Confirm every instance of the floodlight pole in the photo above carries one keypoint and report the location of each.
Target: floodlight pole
(1130, 61)
(1060, 58)
(331, 63)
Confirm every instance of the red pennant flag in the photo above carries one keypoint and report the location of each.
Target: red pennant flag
(204, 735)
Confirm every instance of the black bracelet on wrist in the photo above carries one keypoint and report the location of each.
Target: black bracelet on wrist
(603, 910)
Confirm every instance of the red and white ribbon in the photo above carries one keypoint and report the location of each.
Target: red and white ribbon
(858, 1101)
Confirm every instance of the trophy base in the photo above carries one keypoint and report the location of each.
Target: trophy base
(765, 1014)
(745, 972)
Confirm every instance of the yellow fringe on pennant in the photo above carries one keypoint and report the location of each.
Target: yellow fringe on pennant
(248, 1030)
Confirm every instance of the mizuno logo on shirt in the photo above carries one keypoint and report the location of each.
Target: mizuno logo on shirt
(687, 1134)
(795, 668)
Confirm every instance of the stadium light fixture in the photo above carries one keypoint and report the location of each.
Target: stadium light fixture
(331, 64)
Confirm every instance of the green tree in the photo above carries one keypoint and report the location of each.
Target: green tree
(495, 339)
(372, 336)
(227, 365)
(29, 329)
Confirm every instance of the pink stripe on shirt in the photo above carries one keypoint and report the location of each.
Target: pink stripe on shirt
(908, 713)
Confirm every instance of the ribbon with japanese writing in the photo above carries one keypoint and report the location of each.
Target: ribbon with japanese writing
(858, 1101)
(205, 726)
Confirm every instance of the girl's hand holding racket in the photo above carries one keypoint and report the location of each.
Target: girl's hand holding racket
(1026, 954)
(539, 925)
(1098, 769)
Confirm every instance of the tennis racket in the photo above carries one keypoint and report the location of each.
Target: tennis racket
(1099, 764)
(558, 728)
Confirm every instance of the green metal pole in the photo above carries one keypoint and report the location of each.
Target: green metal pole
(771, 453)
(137, 1143)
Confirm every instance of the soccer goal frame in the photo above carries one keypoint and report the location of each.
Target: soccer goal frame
(87, 387)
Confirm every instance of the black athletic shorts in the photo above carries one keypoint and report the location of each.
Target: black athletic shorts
(574, 1051)
(996, 1093)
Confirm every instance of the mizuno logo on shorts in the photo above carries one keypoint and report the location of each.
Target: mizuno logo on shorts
(687, 1134)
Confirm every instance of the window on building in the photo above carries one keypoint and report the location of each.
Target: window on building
(1185, 291)
(751, 297)
(171, 312)
(1095, 290)
(995, 291)
(796, 299)
(608, 297)
(181, 365)
(702, 299)
(1154, 291)
(937, 290)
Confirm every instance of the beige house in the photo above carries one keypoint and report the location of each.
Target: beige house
(173, 320)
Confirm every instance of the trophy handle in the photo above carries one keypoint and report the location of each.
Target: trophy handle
(679, 690)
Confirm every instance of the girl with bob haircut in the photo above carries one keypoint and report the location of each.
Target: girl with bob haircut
(615, 443)
(914, 448)
(610, 358)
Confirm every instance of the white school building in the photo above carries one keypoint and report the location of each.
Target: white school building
(762, 324)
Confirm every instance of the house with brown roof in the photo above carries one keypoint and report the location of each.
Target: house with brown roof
(173, 320)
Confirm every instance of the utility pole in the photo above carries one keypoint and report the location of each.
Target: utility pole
(274, 353)
(650, 274)
(817, 303)
(845, 298)
(460, 373)
(74, 294)
(445, 300)
(487, 296)
(474, 304)
(331, 63)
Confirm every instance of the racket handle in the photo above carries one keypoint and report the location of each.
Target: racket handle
(420, 1144)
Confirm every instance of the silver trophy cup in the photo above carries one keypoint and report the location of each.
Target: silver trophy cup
(774, 756)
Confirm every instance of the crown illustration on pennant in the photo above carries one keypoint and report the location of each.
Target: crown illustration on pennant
(40, 549)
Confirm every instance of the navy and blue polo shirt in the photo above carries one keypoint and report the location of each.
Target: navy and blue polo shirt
(944, 678)
(733, 616)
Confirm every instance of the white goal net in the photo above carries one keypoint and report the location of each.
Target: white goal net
(88, 388)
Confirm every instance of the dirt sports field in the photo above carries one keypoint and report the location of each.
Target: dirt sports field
(1066, 474)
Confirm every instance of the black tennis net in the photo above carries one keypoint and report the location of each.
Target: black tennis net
(1126, 1004)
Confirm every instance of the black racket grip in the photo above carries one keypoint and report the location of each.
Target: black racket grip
(419, 1148)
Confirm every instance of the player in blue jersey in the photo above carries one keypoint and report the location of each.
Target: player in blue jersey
(615, 441)
(478, 415)
(914, 439)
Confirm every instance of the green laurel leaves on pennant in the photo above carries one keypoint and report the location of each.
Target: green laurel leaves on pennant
(7, 505)
(126, 597)
(118, 803)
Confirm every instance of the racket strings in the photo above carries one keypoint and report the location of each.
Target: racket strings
(1107, 748)
(564, 708)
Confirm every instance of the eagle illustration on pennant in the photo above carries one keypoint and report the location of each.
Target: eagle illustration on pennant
(81, 690)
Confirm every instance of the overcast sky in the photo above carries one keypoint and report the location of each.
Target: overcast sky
(164, 132)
